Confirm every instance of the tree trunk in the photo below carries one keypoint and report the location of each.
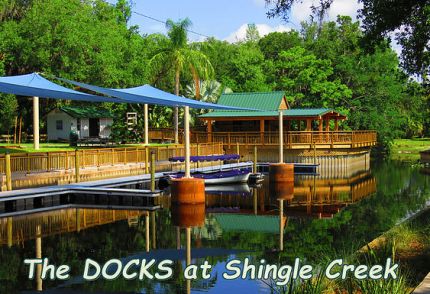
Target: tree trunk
(176, 110)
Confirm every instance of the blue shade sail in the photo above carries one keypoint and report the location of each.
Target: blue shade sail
(35, 85)
(149, 95)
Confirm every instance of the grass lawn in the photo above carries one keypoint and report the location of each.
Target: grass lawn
(46, 147)
(408, 149)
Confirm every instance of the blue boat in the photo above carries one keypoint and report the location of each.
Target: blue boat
(216, 175)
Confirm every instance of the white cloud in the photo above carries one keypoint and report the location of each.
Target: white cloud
(260, 3)
(302, 10)
(263, 29)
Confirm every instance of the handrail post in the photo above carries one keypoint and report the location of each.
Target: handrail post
(152, 171)
(28, 163)
(77, 176)
(146, 160)
(8, 172)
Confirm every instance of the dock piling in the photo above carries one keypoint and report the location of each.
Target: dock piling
(254, 167)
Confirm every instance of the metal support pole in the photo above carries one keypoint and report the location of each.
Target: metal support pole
(281, 137)
(36, 123)
(152, 171)
(145, 113)
(187, 142)
(176, 124)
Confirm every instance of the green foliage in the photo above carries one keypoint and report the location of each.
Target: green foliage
(73, 139)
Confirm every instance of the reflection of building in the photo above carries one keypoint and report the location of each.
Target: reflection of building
(313, 197)
(17, 229)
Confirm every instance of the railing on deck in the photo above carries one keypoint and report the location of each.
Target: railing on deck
(64, 160)
(350, 139)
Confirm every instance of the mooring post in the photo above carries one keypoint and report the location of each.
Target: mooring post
(77, 176)
(8, 172)
(255, 159)
(152, 171)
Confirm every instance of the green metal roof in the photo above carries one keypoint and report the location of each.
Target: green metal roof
(253, 100)
(247, 222)
(86, 112)
(298, 112)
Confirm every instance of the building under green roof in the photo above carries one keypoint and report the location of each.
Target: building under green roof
(269, 104)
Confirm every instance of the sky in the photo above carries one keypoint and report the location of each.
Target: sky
(226, 19)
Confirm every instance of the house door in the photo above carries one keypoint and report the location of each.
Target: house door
(94, 127)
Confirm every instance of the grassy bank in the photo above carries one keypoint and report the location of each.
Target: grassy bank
(408, 244)
(408, 149)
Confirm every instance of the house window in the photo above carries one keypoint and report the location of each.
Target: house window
(78, 123)
(59, 124)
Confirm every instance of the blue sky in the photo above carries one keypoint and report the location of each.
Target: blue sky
(225, 19)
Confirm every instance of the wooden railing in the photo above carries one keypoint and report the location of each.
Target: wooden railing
(64, 160)
(348, 139)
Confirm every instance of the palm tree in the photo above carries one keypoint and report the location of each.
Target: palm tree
(177, 57)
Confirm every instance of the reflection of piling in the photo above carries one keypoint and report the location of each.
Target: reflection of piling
(8, 172)
(282, 190)
(38, 255)
(147, 231)
(281, 225)
(9, 232)
(178, 238)
(152, 171)
(188, 236)
(255, 196)
(188, 215)
(188, 190)
(154, 237)
(78, 220)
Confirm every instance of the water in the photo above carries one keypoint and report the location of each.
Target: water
(327, 217)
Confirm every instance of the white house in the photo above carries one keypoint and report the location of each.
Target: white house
(85, 121)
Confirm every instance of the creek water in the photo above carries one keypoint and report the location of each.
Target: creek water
(322, 217)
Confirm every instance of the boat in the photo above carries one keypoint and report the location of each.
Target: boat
(214, 174)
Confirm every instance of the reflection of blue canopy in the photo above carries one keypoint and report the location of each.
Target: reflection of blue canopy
(35, 85)
(150, 95)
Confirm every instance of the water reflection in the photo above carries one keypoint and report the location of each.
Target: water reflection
(311, 217)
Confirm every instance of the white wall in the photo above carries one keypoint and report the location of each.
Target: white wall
(68, 123)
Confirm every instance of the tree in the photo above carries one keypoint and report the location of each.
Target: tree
(177, 57)
(252, 34)
(408, 20)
